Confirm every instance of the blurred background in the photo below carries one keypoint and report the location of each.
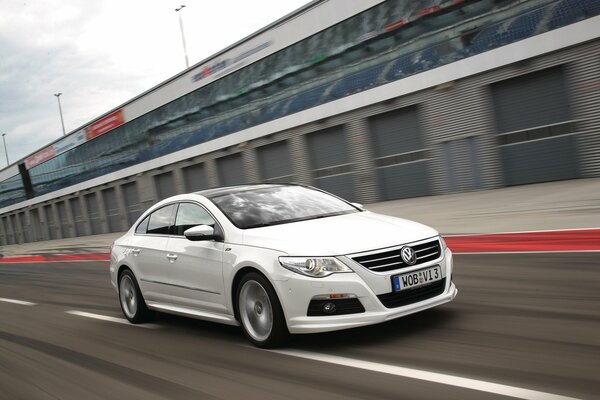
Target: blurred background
(370, 100)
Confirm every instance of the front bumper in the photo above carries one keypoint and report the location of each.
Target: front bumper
(333, 323)
(295, 295)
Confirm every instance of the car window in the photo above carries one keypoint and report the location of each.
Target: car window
(141, 228)
(161, 220)
(190, 215)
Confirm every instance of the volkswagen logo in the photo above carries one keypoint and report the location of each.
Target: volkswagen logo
(408, 255)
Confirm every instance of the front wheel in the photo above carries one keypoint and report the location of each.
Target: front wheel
(260, 312)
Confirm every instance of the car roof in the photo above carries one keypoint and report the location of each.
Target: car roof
(221, 191)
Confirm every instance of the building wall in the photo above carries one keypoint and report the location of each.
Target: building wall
(460, 151)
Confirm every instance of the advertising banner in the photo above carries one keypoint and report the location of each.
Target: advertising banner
(41, 156)
(105, 124)
(91, 131)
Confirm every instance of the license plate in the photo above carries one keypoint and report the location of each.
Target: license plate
(416, 278)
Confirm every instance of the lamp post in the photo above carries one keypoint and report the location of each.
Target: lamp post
(5, 151)
(62, 122)
(177, 10)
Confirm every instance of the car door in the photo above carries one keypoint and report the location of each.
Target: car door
(196, 267)
(148, 253)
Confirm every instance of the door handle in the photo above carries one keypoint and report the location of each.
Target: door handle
(171, 257)
(135, 252)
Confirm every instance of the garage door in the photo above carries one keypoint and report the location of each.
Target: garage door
(111, 207)
(133, 208)
(53, 227)
(231, 170)
(78, 219)
(165, 185)
(8, 235)
(400, 154)
(93, 213)
(461, 164)
(330, 162)
(61, 209)
(194, 178)
(274, 163)
(535, 133)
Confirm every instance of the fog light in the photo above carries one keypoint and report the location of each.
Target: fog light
(329, 308)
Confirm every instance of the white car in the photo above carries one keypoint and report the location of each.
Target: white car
(278, 259)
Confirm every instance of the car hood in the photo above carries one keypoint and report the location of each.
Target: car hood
(338, 235)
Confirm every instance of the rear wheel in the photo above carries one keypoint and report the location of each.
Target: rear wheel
(131, 300)
(260, 312)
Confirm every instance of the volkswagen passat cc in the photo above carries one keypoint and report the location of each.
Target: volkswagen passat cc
(278, 259)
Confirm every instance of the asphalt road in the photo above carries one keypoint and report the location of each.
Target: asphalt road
(524, 320)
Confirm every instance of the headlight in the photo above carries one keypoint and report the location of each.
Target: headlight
(443, 242)
(316, 267)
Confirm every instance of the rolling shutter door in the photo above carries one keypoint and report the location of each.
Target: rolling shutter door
(231, 170)
(274, 162)
(132, 202)
(16, 229)
(93, 213)
(401, 157)
(534, 130)
(61, 208)
(194, 178)
(111, 207)
(330, 162)
(165, 185)
(8, 236)
(26, 227)
(50, 221)
(36, 226)
(78, 220)
(461, 164)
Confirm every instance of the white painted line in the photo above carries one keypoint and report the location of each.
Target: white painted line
(21, 302)
(109, 319)
(467, 383)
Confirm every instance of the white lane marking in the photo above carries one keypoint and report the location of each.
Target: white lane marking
(109, 319)
(21, 302)
(467, 383)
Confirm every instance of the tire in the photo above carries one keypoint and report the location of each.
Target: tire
(260, 312)
(131, 300)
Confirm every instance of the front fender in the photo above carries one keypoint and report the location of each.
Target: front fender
(266, 261)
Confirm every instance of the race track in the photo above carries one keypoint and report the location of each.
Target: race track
(528, 322)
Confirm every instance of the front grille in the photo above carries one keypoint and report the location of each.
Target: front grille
(410, 296)
(342, 306)
(391, 259)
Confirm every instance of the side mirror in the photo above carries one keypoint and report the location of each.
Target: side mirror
(201, 232)
(358, 205)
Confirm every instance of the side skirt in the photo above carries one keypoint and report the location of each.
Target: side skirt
(191, 312)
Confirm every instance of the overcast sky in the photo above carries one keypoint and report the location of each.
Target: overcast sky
(101, 53)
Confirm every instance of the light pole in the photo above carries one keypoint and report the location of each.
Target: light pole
(187, 64)
(60, 111)
(5, 151)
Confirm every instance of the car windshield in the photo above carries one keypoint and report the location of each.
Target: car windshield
(275, 205)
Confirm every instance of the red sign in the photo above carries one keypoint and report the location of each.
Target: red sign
(104, 125)
(39, 157)
(428, 10)
(395, 25)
